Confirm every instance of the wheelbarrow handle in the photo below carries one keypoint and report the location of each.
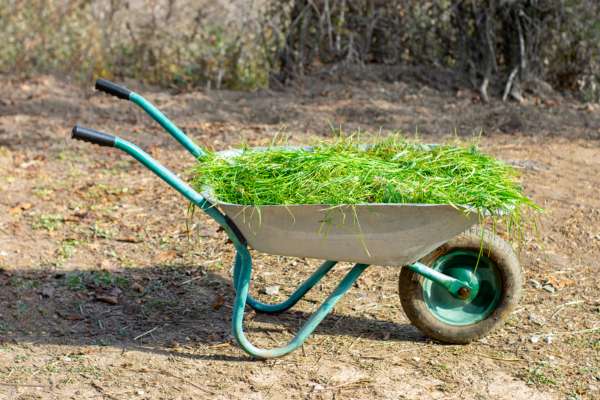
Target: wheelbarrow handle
(93, 136)
(103, 139)
(122, 92)
(113, 89)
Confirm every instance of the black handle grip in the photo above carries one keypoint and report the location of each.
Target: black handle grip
(92, 136)
(113, 89)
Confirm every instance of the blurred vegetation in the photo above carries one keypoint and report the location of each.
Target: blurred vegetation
(170, 43)
(501, 47)
(496, 46)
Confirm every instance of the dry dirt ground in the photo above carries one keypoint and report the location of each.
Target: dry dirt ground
(106, 293)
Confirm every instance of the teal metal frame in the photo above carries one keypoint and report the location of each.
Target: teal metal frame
(242, 269)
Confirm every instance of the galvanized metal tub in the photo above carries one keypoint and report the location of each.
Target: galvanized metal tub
(380, 234)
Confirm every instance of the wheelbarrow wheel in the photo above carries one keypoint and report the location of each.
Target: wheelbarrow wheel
(441, 316)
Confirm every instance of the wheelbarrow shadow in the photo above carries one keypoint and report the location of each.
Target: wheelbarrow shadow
(153, 309)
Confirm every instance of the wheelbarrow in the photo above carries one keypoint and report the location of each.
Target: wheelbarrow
(457, 281)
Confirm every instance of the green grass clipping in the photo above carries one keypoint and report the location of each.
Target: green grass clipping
(385, 170)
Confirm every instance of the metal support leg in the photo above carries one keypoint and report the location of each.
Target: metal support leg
(294, 297)
(244, 276)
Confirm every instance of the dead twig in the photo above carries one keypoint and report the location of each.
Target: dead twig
(145, 333)
(187, 381)
(590, 330)
(172, 375)
(349, 384)
(499, 358)
(191, 280)
(128, 240)
(101, 390)
(270, 335)
(564, 333)
(563, 306)
(22, 385)
(372, 358)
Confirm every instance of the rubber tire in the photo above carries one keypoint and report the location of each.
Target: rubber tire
(498, 251)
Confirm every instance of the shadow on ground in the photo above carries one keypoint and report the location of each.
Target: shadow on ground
(151, 309)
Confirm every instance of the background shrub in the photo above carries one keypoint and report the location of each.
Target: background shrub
(497, 46)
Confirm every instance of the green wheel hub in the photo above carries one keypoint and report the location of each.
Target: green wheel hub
(483, 276)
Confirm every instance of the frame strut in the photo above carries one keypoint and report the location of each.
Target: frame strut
(458, 288)
(294, 297)
(242, 286)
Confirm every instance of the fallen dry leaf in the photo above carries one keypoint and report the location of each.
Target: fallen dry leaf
(218, 302)
(110, 297)
(70, 317)
(165, 256)
(137, 287)
(19, 208)
(107, 298)
(559, 283)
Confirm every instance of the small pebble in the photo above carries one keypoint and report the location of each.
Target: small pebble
(537, 319)
(549, 288)
(317, 387)
(535, 284)
(272, 290)
(548, 339)
(534, 339)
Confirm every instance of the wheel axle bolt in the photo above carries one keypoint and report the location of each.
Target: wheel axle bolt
(464, 293)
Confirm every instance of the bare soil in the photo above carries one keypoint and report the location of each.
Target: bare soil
(107, 293)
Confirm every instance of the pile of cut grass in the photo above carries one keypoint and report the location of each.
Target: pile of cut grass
(390, 170)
